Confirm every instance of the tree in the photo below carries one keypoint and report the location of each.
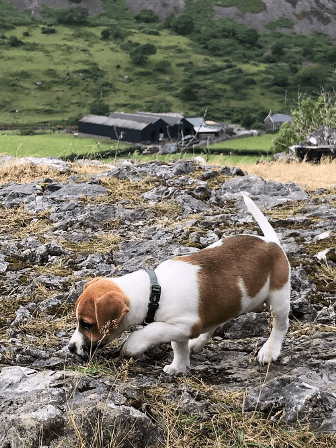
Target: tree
(163, 66)
(183, 24)
(98, 107)
(278, 49)
(72, 16)
(312, 75)
(161, 106)
(139, 54)
(13, 41)
(310, 115)
(249, 37)
(190, 92)
(146, 16)
(105, 34)
(148, 49)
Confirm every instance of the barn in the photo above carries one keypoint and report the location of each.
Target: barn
(141, 127)
(124, 127)
(178, 126)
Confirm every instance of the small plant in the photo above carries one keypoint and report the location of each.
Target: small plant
(146, 16)
(13, 41)
(48, 30)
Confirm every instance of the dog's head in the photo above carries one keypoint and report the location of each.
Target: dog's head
(100, 310)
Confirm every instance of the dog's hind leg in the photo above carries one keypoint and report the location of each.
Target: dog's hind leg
(279, 303)
(196, 344)
(181, 358)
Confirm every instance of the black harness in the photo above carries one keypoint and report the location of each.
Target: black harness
(154, 297)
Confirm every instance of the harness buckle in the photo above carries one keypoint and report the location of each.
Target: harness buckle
(155, 292)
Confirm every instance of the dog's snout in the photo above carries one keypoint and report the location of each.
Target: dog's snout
(72, 347)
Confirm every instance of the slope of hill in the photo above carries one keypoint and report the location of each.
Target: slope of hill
(299, 16)
(56, 68)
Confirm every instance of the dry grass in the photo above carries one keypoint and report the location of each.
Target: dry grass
(307, 175)
(298, 329)
(225, 423)
(28, 172)
(102, 244)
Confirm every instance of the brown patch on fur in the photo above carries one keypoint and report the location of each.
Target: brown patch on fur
(241, 256)
(102, 301)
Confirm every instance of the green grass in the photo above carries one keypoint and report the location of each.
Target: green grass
(57, 145)
(261, 143)
(69, 146)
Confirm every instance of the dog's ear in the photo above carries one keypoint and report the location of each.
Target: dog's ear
(110, 309)
(92, 281)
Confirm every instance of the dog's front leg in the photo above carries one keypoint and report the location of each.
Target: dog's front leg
(156, 333)
(181, 358)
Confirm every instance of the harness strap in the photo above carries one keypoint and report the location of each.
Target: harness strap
(154, 297)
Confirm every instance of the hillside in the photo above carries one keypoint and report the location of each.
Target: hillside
(58, 64)
(299, 16)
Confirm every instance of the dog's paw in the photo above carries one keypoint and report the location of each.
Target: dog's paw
(268, 353)
(195, 345)
(173, 370)
(131, 348)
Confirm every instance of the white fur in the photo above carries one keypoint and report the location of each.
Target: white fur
(78, 340)
(267, 229)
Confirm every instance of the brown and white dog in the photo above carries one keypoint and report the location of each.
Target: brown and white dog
(199, 292)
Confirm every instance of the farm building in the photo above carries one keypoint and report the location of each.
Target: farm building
(205, 129)
(136, 128)
(275, 121)
(124, 127)
(178, 125)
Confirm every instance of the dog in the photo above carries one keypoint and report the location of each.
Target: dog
(199, 292)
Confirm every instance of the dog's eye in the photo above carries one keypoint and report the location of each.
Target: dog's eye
(85, 325)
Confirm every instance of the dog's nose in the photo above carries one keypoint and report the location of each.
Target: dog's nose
(72, 347)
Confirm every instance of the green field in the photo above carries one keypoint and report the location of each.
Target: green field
(68, 146)
(260, 143)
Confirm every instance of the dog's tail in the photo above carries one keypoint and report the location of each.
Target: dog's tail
(265, 226)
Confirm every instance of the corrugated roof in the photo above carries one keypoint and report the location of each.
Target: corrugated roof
(134, 117)
(280, 117)
(169, 117)
(113, 121)
(196, 122)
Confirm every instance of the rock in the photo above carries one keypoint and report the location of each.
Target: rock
(22, 316)
(34, 291)
(69, 407)
(264, 193)
(232, 171)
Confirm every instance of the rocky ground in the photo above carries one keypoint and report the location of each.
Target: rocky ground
(59, 230)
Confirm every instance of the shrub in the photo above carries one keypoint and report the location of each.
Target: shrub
(148, 49)
(48, 30)
(183, 24)
(161, 106)
(249, 37)
(190, 91)
(310, 115)
(13, 41)
(139, 54)
(27, 131)
(72, 16)
(105, 34)
(163, 66)
(98, 107)
(146, 16)
(312, 75)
